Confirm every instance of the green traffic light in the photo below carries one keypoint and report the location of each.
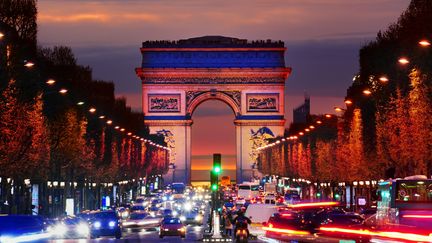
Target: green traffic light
(318, 194)
(217, 170)
(337, 196)
(214, 187)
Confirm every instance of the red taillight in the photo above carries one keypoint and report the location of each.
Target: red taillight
(317, 204)
(286, 215)
(417, 216)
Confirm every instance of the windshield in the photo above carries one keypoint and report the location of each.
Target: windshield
(106, 215)
(138, 216)
(255, 188)
(244, 187)
(137, 208)
(172, 221)
(414, 191)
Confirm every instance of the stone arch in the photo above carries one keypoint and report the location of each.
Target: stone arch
(210, 95)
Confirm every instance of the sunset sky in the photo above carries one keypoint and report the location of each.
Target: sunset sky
(322, 36)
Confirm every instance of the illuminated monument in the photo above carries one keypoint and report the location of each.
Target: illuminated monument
(249, 76)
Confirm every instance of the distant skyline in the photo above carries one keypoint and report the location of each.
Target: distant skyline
(322, 37)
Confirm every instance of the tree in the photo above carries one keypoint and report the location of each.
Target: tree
(325, 161)
(420, 114)
(21, 14)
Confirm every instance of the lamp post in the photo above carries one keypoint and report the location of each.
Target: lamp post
(172, 167)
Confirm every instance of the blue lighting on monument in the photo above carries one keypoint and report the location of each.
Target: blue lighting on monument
(233, 53)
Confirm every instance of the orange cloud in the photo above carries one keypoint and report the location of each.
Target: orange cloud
(73, 18)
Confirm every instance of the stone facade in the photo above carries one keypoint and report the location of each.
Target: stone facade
(178, 76)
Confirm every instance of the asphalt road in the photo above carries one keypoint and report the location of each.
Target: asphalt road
(193, 234)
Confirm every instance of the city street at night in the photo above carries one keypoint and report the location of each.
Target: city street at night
(222, 121)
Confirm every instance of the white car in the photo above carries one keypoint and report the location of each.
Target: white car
(141, 220)
(241, 201)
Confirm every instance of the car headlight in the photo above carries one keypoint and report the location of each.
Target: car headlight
(111, 224)
(83, 229)
(188, 206)
(152, 214)
(97, 224)
(59, 230)
(174, 213)
(198, 218)
(182, 218)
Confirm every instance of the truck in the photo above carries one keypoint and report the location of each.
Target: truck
(270, 188)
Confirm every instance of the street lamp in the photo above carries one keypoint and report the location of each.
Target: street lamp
(50, 81)
(101, 117)
(92, 110)
(348, 102)
(383, 79)
(424, 43)
(367, 92)
(338, 109)
(109, 122)
(1, 35)
(80, 103)
(328, 116)
(63, 91)
(403, 60)
(318, 122)
(28, 64)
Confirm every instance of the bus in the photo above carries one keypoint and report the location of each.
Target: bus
(178, 189)
(405, 203)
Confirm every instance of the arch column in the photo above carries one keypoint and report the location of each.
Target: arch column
(246, 131)
(181, 135)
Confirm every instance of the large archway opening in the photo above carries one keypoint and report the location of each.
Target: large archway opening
(213, 131)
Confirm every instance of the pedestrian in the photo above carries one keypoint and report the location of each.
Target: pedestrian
(228, 225)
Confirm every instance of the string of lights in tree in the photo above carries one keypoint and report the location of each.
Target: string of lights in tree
(367, 92)
(92, 110)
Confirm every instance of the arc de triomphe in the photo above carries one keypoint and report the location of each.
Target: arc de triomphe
(249, 77)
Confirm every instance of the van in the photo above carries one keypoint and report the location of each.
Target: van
(248, 191)
(260, 213)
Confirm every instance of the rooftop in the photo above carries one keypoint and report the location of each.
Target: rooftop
(212, 42)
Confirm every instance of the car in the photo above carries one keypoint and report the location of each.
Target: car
(20, 228)
(192, 216)
(70, 227)
(105, 223)
(366, 213)
(172, 227)
(141, 220)
(135, 208)
(260, 213)
(240, 201)
(166, 212)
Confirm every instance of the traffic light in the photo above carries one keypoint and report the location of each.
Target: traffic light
(213, 181)
(217, 167)
(214, 187)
